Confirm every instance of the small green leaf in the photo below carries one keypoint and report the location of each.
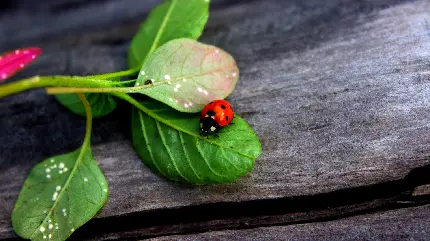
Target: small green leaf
(101, 104)
(61, 193)
(171, 20)
(187, 74)
(169, 142)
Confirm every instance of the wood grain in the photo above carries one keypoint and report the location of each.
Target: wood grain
(337, 91)
(402, 224)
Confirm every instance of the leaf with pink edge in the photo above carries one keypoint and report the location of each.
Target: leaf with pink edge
(14, 61)
(187, 75)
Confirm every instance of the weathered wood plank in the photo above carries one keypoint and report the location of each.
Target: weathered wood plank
(337, 91)
(402, 224)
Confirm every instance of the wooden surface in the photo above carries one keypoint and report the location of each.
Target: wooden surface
(338, 92)
(402, 224)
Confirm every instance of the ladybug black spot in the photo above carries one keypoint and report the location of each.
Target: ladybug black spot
(210, 113)
(222, 106)
(226, 118)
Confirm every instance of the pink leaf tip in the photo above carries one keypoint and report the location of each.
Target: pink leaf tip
(14, 61)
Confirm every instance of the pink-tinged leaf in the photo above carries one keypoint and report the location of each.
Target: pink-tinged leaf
(14, 61)
(187, 74)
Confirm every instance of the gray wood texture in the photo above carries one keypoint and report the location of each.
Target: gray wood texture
(402, 224)
(338, 92)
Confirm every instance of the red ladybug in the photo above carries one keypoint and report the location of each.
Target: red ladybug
(214, 115)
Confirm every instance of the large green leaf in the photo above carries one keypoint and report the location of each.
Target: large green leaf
(171, 20)
(187, 74)
(101, 104)
(169, 142)
(61, 193)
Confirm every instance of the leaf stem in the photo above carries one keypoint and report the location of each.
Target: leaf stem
(65, 90)
(124, 82)
(115, 74)
(82, 151)
(89, 119)
(45, 81)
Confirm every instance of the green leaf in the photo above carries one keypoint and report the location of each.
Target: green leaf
(171, 20)
(169, 142)
(61, 193)
(187, 74)
(101, 104)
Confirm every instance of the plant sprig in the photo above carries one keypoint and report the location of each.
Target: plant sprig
(181, 75)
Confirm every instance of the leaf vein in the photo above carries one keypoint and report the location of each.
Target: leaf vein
(163, 140)
(143, 128)
(187, 156)
(206, 161)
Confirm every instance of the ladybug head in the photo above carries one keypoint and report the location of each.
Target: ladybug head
(208, 125)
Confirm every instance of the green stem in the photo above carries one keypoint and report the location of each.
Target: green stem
(132, 101)
(45, 81)
(89, 120)
(115, 74)
(124, 82)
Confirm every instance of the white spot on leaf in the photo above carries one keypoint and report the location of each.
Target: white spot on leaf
(186, 105)
(185, 80)
(175, 89)
(199, 89)
(42, 229)
(61, 165)
(142, 72)
(48, 176)
(50, 226)
(54, 196)
(85, 179)
(234, 74)
(52, 160)
(65, 169)
(167, 76)
(47, 170)
(58, 188)
(205, 92)
(178, 86)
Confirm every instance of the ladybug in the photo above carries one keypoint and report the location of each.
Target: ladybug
(215, 115)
